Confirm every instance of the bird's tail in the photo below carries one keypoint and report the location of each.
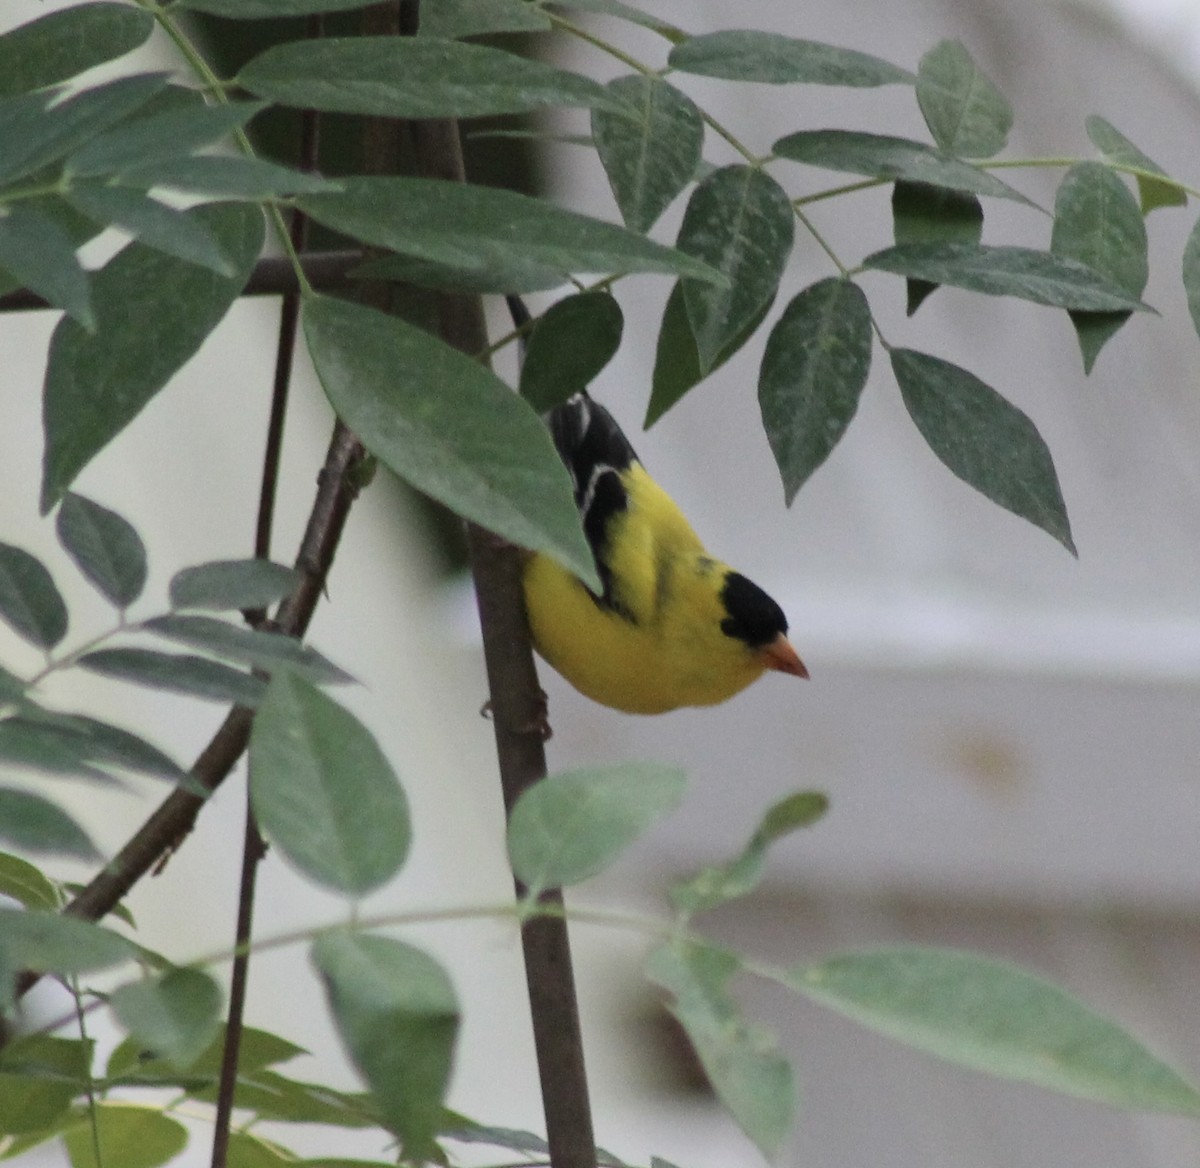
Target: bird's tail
(578, 401)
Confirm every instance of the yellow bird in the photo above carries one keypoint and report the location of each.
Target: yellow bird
(673, 626)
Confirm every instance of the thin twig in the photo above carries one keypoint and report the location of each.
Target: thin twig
(254, 848)
(253, 851)
(289, 316)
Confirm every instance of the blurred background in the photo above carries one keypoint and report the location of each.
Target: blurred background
(1008, 735)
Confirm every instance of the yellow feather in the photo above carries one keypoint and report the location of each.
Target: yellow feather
(670, 651)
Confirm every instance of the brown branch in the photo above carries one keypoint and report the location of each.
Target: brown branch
(518, 718)
(327, 271)
(254, 851)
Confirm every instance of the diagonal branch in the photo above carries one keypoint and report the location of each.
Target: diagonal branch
(337, 488)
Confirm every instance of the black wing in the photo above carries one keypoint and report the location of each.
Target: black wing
(595, 452)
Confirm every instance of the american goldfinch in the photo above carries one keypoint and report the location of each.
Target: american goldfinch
(673, 627)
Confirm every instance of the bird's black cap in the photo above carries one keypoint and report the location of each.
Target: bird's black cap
(753, 616)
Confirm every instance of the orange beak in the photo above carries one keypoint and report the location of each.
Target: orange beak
(780, 656)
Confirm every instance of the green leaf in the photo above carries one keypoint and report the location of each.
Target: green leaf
(447, 426)
(40, 1077)
(76, 227)
(966, 114)
(814, 368)
(883, 157)
(129, 1062)
(40, 257)
(323, 791)
(248, 1150)
(59, 45)
(986, 441)
(1156, 187)
(152, 311)
(175, 1015)
(412, 77)
(34, 824)
(742, 1061)
(568, 827)
(570, 344)
(993, 1017)
(231, 584)
(95, 741)
(33, 135)
(676, 362)
(398, 1015)
(12, 689)
(719, 885)
(925, 214)
(118, 747)
(1191, 274)
(467, 1131)
(496, 275)
(228, 178)
(197, 677)
(452, 19)
(153, 224)
(651, 150)
(45, 747)
(134, 1137)
(272, 1096)
(264, 9)
(23, 882)
(475, 227)
(1038, 276)
(1098, 223)
(739, 221)
(30, 604)
(750, 55)
(49, 943)
(625, 12)
(105, 547)
(253, 646)
(160, 134)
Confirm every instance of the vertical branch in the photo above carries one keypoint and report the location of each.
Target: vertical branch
(254, 848)
(253, 851)
(289, 315)
(518, 718)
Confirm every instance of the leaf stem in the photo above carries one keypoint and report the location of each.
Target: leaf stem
(90, 1083)
(1121, 167)
(68, 660)
(218, 89)
(581, 33)
(865, 184)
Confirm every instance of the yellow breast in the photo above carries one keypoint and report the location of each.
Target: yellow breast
(661, 645)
